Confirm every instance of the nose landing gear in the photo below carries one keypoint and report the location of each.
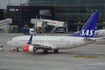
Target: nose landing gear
(15, 50)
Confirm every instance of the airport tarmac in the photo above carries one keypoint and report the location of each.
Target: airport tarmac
(90, 57)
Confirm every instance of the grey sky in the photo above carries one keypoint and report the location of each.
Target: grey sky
(3, 3)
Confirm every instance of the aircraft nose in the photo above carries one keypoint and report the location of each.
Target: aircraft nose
(8, 42)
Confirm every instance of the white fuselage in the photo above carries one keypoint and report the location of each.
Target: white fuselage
(60, 42)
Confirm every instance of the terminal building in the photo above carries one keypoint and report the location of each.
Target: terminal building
(74, 12)
(22, 15)
(1, 14)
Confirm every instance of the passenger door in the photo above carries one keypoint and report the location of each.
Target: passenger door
(74, 42)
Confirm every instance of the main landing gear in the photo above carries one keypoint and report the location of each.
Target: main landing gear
(45, 51)
(56, 51)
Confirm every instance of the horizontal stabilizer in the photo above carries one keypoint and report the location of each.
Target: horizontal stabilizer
(89, 39)
(100, 38)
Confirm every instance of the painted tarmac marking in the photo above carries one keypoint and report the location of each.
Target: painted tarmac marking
(5, 50)
(30, 54)
(82, 56)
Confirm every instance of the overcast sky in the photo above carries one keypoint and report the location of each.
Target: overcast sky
(3, 3)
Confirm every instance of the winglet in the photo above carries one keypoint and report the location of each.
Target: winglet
(89, 28)
(30, 40)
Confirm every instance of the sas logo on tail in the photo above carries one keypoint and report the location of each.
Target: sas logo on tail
(87, 32)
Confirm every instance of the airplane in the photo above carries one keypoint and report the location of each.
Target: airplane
(55, 43)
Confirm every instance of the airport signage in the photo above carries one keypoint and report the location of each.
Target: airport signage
(11, 9)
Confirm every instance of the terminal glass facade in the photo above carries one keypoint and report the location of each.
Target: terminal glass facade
(73, 11)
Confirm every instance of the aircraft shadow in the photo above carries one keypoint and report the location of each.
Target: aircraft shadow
(92, 53)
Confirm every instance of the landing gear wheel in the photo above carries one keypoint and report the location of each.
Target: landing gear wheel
(55, 50)
(17, 49)
(45, 51)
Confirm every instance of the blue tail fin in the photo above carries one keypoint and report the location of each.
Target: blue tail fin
(30, 40)
(96, 28)
(89, 28)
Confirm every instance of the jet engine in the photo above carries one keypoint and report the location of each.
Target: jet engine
(29, 48)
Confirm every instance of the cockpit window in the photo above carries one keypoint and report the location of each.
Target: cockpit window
(11, 39)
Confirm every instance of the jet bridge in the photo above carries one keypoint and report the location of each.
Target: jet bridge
(54, 23)
(5, 24)
(44, 22)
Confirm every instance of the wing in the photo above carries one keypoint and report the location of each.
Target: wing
(45, 46)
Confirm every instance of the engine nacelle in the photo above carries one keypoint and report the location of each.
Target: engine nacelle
(29, 48)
